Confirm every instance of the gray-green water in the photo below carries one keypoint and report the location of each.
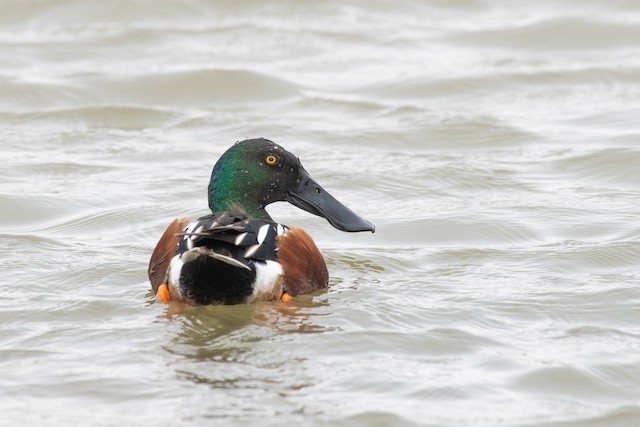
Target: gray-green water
(495, 145)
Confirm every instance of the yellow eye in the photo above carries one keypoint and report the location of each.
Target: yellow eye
(271, 160)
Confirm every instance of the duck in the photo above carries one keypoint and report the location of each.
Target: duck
(238, 254)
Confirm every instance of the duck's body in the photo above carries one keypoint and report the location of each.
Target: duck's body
(238, 254)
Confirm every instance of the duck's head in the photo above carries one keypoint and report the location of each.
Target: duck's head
(256, 172)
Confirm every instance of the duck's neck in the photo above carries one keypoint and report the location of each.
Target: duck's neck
(230, 190)
(232, 203)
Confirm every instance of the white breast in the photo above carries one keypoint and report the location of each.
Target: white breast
(268, 284)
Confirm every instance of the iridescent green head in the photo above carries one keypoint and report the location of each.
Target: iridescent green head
(256, 172)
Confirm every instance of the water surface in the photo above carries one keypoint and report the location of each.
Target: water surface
(495, 147)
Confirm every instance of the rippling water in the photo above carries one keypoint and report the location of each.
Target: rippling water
(494, 145)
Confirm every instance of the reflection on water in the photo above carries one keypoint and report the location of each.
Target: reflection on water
(238, 351)
(204, 327)
(225, 334)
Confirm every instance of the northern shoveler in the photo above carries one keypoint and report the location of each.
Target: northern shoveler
(238, 254)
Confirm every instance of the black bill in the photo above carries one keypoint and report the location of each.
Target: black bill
(312, 198)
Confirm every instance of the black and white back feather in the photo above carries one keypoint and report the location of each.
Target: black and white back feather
(233, 235)
(225, 258)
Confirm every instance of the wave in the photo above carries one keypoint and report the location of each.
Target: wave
(556, 34)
